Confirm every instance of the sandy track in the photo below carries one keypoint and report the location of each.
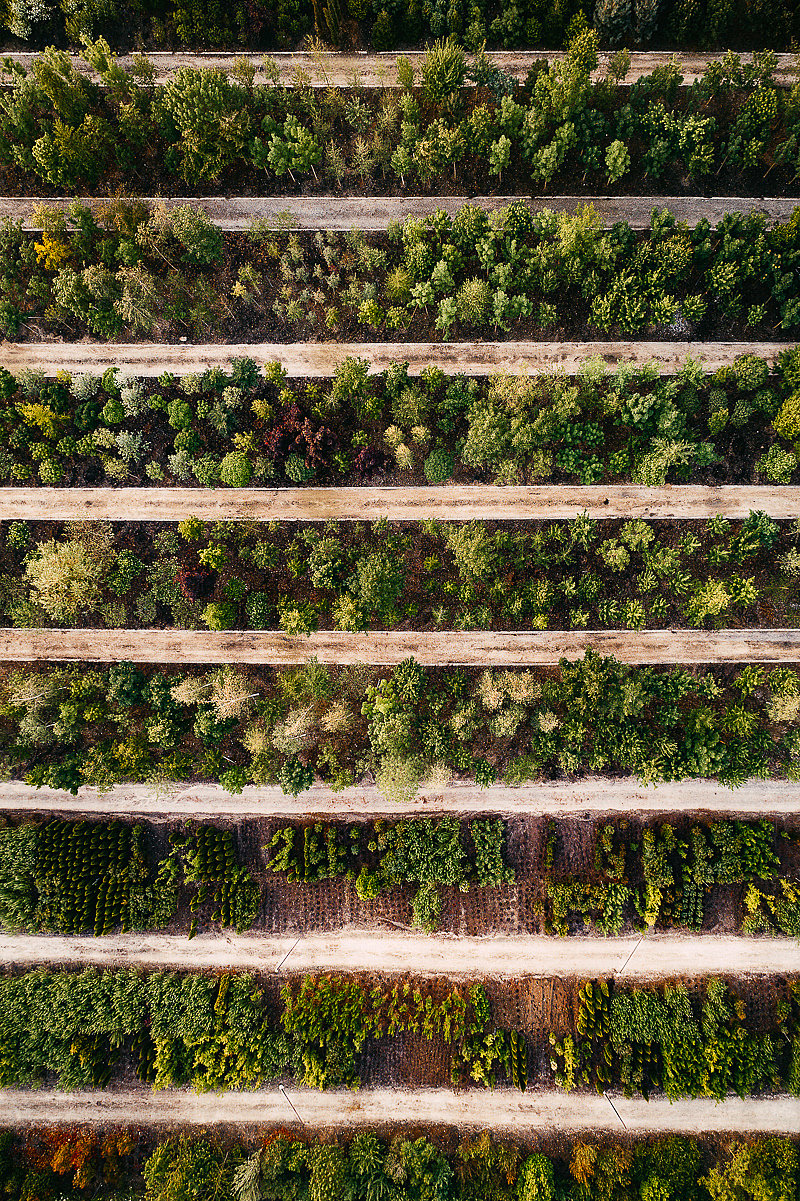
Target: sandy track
(379, 70)
(395, 953)
(499, 1110)
(592, 795)
(375, 212)
(320, 359)
(457, 502)
(454, 648)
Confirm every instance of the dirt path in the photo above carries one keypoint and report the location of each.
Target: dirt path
(375, 213)
(499, 1110)
(527, 648)
(654, 957)
(593, 795)
(320, 359)
(457, 502)
(379, 70)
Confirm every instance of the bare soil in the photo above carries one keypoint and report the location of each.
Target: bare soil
(529, 648)
(320, 359)
(502, 1110)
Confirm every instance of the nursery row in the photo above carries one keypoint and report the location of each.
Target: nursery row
(75, 877)
(737, 425)
(580, 573)
(384, 24)
(172, 273)
(733, 127)
(227, 1032)
(125, 1165)
(80, 877)
(660, 875)
(67, 726)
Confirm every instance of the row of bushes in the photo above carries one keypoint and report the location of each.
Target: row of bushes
(59, 1162)
(430, 854)
(356, 577)
(75, 877)
(385, 24)
(510, 272)
(207, 129)
(665, 876)
(739, 424)
(697, 1043)
(67, 726)
(223, 1032)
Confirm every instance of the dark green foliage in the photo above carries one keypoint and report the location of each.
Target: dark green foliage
(424, 852)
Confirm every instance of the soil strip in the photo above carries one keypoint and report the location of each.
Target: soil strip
(660, 957)
(481, 648)
(331, 69)
(456, 502)
(320, 359)
(373, 213)
(565, 798)
(500, 1110)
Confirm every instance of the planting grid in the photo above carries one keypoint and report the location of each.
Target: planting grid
(326, 927)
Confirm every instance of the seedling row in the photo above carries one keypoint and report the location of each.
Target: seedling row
(475, 877)
(236, 428)
(207, 129)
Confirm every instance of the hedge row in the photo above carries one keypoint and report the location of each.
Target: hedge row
(209, 130)
(739, 425)
(67, 726)
(666, 876)
(510, 272)
(75, 877)
(353, 576)
(385, 24)
(222, 1032)
(658, 876)
(50, 1163)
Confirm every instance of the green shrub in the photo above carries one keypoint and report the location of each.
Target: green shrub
(235, 470)
(438, 466)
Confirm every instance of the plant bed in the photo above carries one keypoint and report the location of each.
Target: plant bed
(94, 877)
(354, 577)
(469, 1166)
(728, 133)
(737, 425)
(187, 23)
(166, 1029)
(533, 276)
(709, 1039)
(67, 726)
(485, 876)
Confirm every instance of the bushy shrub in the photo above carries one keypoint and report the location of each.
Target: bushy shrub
(235, 470)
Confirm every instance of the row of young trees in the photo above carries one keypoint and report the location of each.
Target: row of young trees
(664, 876)
(581, 573)
(207, 128)
(126, 1165)
(241, 427)
(384, 24)
(697, 1043)
(224, 1032)
(67, 726)
(75, 877)
(508, 271)
(480, 1168)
